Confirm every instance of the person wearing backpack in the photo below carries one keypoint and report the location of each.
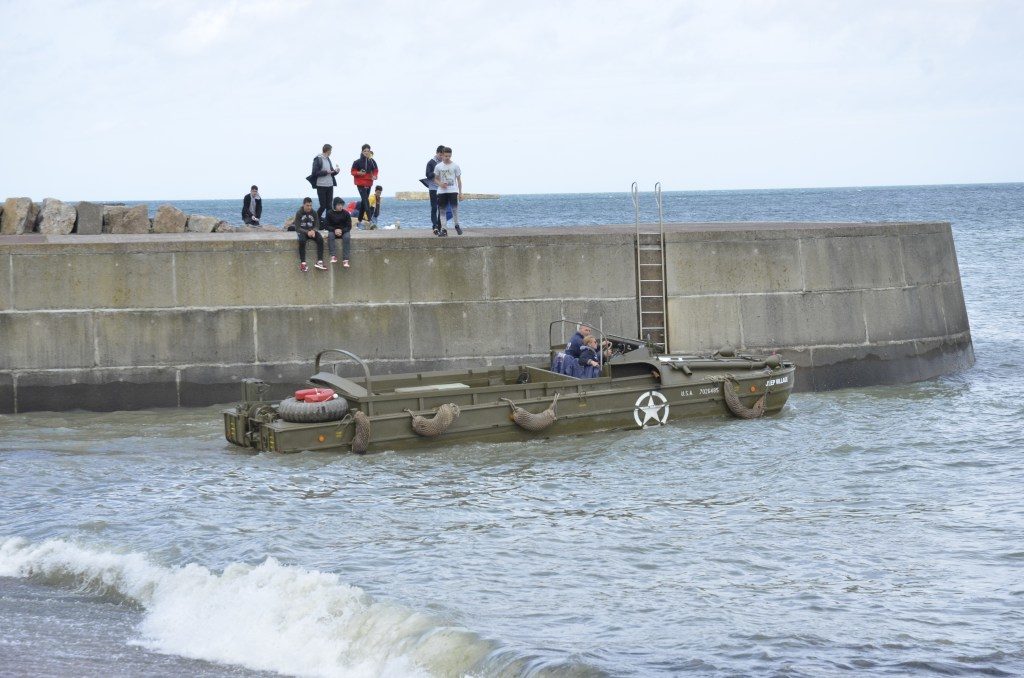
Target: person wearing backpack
(322, 179)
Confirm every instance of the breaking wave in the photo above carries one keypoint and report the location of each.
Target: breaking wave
(268, 617)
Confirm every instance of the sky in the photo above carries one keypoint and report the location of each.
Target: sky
(189, 99)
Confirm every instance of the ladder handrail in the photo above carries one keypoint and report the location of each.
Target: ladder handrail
(664, 267)
(635, 191)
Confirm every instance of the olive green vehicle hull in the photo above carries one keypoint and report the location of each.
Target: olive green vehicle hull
(636, 390)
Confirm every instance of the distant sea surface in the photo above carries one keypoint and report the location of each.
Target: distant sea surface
(865, 532)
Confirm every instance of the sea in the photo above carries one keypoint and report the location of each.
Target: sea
(862, 532)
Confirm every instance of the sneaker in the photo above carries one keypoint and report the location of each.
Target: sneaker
(344, 264)
(334, 259)
(444, 233)
(303, 267)
(320, 265)
(458, 229)
(437, 231)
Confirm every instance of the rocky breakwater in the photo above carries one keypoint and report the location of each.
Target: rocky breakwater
(19, 216)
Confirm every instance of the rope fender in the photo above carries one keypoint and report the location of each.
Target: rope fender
(732, 400)
(361, 438)
(530, 421)
(442, 419)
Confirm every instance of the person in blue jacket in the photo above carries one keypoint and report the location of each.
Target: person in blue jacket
(590, 365)
(576, 342)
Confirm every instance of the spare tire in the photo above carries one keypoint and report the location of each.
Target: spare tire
(299, 412)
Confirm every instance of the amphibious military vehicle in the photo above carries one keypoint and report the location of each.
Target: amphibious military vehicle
(634, 387)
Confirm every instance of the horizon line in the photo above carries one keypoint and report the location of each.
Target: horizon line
(626, 192)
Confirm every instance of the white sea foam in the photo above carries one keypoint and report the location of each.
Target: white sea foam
(269, 616)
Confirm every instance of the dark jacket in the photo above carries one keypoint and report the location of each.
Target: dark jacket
(368, 165)
(298, 220)
(319, 170)
(431, 164)
(575, 344)
(248, 210)
(586, 355)
(335, 219)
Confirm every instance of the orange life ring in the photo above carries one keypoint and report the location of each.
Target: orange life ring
(314, 395)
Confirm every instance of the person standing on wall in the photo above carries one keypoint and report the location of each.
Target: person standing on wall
(432, 188)
(448, 176)
(252, 207)
(364, 173)
(322, 179)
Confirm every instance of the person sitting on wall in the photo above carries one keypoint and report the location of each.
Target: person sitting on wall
(376, 199)
(252, 207)
(307, 227)
(338, 224)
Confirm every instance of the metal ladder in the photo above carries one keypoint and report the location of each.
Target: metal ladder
(651, 293)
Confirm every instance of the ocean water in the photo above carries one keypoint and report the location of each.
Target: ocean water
(875, 531)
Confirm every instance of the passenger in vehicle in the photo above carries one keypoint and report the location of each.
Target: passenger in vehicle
(590, 366)
(576, 342)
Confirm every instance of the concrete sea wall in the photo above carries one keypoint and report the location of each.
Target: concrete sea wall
(132, 321)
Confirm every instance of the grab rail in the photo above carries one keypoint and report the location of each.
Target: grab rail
(366, 372)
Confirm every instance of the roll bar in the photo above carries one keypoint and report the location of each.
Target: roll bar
(353, 356)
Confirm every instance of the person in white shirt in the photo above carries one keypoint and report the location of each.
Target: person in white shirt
(448, 176)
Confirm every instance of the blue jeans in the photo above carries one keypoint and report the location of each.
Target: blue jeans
(346, 239)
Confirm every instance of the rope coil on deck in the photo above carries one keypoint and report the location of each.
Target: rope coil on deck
(442, 419)
(530, 421)
(732, 400)
(361, 439)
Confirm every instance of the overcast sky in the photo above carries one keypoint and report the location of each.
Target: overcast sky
(194, 99)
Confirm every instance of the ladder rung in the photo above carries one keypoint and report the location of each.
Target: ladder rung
(653, 280)
(651, 296)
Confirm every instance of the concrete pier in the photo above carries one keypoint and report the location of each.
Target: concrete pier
(136, 321)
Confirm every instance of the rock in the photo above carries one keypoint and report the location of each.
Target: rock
(289, 224)
(200, 224)
(19, 216)
(90, 219)
(56, 217)
(112, 214)
(120, 220)
(223, 227)
(169, 219)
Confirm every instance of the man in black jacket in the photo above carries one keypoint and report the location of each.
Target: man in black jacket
(252, 207)
(431, 185)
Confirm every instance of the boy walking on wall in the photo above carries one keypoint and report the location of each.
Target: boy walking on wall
(448, 176)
